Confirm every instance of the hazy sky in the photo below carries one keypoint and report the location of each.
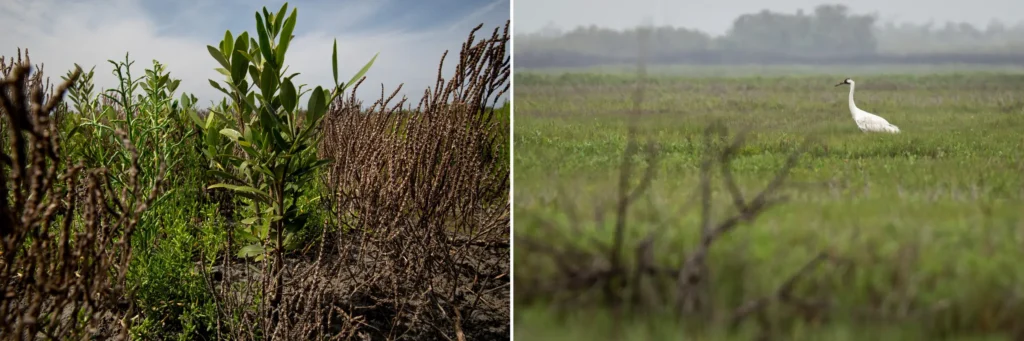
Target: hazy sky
(410, 35)
(716, 16)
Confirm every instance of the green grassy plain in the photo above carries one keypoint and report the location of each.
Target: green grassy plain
(930, 219)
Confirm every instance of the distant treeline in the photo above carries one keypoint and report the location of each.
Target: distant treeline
(831, 35)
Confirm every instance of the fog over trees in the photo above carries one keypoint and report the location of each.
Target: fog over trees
(829, 34)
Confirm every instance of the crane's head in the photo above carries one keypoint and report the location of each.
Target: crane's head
(845, 81)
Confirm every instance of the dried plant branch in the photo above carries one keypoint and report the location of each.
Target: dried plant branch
(420, 197)
(692, 283)
(583, 266)
(59, 280)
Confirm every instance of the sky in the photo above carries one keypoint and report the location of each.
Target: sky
(716, 16)
(410, 36)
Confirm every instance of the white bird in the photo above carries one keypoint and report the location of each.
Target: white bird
(868, 122)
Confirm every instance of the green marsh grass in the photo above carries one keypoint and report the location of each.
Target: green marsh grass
(929, 220)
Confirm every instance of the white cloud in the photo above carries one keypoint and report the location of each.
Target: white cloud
(61, 33)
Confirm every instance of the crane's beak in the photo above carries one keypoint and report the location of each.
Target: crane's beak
(840, 84)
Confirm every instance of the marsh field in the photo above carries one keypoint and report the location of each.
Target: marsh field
(911, 236)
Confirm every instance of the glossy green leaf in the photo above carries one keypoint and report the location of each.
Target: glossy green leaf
(219, 56)
(279, 172)
(279, 141)
(251, 251)
(230, 157)
(242, 44)
(248, 148)
(361, 72)
(264, 42)
(239, 65)
(251, 100)
(246, 236)
(279, 17)
(288, 96)
(334, 61)
(312, 167)
(263, 170)
(229, 42)
(209, 122)
(254, 73)
(286, 35)
(316, 105)
(268, 21)
(220, 116)
(268, 81)
(290, 242)
(218, 87)
(195, 118)
(242, 190)
(254, 52)
(268, 120)
(223, 174)
(231, 133)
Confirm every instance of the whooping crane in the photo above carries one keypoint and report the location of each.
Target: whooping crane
(868, 122)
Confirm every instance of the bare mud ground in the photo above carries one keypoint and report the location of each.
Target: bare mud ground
(357, 287)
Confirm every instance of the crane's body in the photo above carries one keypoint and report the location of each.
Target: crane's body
(868, 122)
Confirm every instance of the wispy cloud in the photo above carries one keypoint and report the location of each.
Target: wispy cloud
(410, 36)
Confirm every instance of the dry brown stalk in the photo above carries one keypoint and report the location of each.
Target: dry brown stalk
(64, 260)
(424, 200)
(422, 203)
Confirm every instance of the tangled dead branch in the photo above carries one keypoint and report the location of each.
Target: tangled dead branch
(64, 262)
(424, 196)
(583, 266)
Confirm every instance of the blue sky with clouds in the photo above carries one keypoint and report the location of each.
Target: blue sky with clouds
(410, 35)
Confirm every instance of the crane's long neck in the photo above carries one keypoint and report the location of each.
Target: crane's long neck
(853, 106)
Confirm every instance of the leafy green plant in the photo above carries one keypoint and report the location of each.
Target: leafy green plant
(162, 263)
(146, 119)
(275, 142)
(161, 277)
(81, 92)
(169, 289)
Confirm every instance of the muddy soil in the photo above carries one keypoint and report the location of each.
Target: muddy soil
(352, 283)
